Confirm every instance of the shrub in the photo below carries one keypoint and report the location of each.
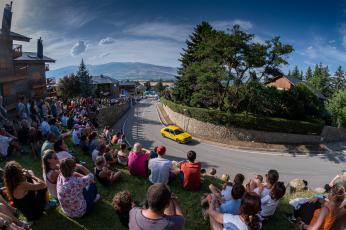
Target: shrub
(247, 120)
(337, 106)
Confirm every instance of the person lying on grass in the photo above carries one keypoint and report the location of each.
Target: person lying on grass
(103, 174)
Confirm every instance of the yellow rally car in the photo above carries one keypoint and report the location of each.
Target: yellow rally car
(175, 133)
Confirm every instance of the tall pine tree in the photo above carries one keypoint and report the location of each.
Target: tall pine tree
(308, 74)
(86, 87)
(187, 81)
(296, 73)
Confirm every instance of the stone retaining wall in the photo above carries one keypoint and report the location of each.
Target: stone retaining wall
(110, 115)
(222, 134)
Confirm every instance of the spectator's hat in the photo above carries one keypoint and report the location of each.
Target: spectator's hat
(161, 150)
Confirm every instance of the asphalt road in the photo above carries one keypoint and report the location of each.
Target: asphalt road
(142, 124)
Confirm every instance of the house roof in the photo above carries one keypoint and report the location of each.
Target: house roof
(16, 36)
(127, 83)
(293, 80)
(32, 56)
(103, 80)
(296, 81)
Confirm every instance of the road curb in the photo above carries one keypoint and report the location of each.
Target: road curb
(272, 151)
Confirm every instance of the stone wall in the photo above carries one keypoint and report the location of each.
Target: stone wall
(222, 134)
(110, 115)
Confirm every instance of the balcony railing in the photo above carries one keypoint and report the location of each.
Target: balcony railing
(16, 51)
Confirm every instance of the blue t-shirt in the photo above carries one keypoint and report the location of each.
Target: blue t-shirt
(231, 207)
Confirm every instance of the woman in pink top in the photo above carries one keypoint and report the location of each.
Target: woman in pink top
(138, 161)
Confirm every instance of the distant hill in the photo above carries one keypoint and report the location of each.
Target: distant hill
(122, 71)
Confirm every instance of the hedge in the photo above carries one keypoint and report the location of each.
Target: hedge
(247, 121)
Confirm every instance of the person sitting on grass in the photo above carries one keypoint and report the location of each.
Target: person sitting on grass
(122, 155)
(103, 174)
(77, 194)
(138, 161)
(271, 178)
(110, 156)
(98, 151)
(190, 175)
(28, 192)
(163, 211)
(61, 150)
(50, 166)
(247, 219)
(270, 202)
(122, 203)
(232, 206)
(161, 168)
(49, 143)
(226, 193)
(324, 210)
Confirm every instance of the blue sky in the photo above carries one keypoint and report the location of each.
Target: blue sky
(155, 31)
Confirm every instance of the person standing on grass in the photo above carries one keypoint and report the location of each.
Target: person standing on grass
(77, 194)
(163, 211)
(190, 172)
(161, 168)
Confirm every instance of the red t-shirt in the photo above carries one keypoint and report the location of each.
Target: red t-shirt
(192, 175)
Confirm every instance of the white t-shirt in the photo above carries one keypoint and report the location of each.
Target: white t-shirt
(160, 169)
(63, 155)
(227, 193)
(233, 222)
(75, 138)
(94, 155)
(268, 206)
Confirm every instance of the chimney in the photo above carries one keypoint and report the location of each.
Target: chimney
(7, 19)
(39, 48)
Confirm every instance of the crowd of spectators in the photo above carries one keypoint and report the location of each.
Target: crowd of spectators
(44, 125)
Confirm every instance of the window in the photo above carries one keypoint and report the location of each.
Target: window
(178, 131)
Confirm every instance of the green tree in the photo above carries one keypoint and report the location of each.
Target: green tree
(186, 82)
(320, 79)
(85, 82)
(69, 86)
(339, 82)
(159, 87)
(296, 73)
(308, 74)
(147, 86)
(337, 106)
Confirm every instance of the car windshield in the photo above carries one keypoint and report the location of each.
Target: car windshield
(178, 131)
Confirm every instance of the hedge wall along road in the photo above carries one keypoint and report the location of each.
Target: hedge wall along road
(247, 121)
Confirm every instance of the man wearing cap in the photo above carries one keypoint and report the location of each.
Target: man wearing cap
(161, 168)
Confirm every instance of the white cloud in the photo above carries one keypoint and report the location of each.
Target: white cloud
(325, 53)
(105, 54)
(228, 24)
(178, 32)
(78, 48)
(106, 41)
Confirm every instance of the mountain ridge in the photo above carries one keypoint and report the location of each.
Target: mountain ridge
(122, 71)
